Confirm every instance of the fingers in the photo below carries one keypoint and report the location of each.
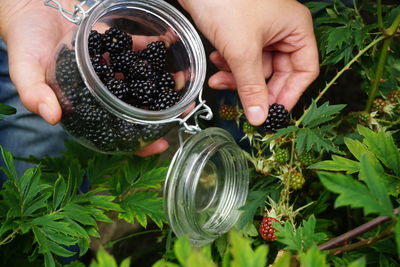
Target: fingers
(157, 147)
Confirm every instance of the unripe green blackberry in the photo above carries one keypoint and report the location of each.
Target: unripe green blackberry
(228, 113)
(306, 158)
(282, 155)
(378, 104)
(363, 118)
(248, 128)
(295, 179)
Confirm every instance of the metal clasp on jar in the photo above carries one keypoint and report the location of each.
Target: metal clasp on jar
(77, 14)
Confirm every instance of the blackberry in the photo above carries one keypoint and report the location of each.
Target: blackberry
(119, 88)
(67, 72)
(228, 113)
(306, 158)
(144, 92)
(92, 115)
(140, 70)
(155, 54)
(128, 134)
(122, 62)
(104, 72)
(378, 105)
(116, 41)
(282, 155)
(165, 81)
(394, 97)
(95, 43)
(152, 132)
(295, 179)
(267, 230)
(166, 99)
(248, 128)
(96, 59)
(277, 118)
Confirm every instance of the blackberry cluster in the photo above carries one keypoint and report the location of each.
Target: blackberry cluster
(139, 78)
(282, 155)
(278, 117)
(88, 121)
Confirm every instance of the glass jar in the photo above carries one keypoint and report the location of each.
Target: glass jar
(90, 112)
(208, 178)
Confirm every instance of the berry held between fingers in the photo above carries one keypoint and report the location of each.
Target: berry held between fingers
(278, 118)
(266, 230)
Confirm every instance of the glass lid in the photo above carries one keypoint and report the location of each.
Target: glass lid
(206, 184)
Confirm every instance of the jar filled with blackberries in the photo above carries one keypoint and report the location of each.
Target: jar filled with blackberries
(126, 73)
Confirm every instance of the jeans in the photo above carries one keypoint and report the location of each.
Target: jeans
(24, 133)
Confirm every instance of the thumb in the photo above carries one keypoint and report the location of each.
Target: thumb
(248, 72)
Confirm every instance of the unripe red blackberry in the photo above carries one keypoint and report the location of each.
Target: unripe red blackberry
(282, 155)
(306, 158)
(278, 118)
(295, 179)
(228, 113)
(394, 97)
(266, 230)
(248, 128)
(378, 104)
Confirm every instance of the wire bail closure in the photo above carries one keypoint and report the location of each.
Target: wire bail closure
(75, 16)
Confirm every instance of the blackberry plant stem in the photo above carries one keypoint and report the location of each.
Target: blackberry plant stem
(346, 67)
(378, 74)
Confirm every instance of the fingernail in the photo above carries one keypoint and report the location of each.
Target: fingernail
(255, 115)
(45, 112)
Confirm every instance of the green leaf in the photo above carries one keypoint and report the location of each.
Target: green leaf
(310, 237)
(316, 116)
(182, 249)
(397, 234)
(313, 258)
(310, 139)
(103, 259)
(316, 6)
(49, 260)
(383, 146)
(288, 236)
(337, 37)
(7, 110)
(337, 164)
(164, 263)
(151, 179)
(197, 258)
(102, 167)
(254, 200)
(351, 192)
(105, 202)
(242, 253)
(283, 260)
(355, 147)
(60, 190)
(139, 205)
(282, 132)
(361, 262)
(10, 170)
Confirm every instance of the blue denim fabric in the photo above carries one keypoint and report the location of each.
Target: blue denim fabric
(24, 133)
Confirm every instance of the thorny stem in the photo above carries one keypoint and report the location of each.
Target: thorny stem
(379, 14)
(366, 242)
(378, 74)
(10, 237)
(346, 67)
(356, 232)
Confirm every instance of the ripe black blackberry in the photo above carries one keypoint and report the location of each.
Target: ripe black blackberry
(95, 43)
(105, 72)
(91, 115)
(144, 92)
(122, 62)
(116, 41)
(67, 72)
(140, 70)
(277, 118)
(166, 99)
(155, 54)
(165, 81)
(119, 88)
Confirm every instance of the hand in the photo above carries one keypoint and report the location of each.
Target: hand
(32, 31)
(258, 40)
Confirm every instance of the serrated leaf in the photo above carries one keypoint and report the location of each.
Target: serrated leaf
(59, 250)
(40, 202)
(309, 236)
(337, 37)
(102, 167)
(78, 213)
(242, 253)
(383, 146)
(311, 139)
(355, 147)
(337, 163)
(316, 6)
(9, 170)
(288, 236)
(151, 179)
(283, 260)
(105, 202)
(60, 190)
(282, 132)
(371, 175)
(182, 249)
(351, 192)
(49, 260)
(254, 200)
(316, 116)
(196, 259)
(7, 110)
(103, 259)
(139, 205)
(313, 258)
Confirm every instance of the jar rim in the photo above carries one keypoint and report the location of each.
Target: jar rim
(228, 190)
(184, 30)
